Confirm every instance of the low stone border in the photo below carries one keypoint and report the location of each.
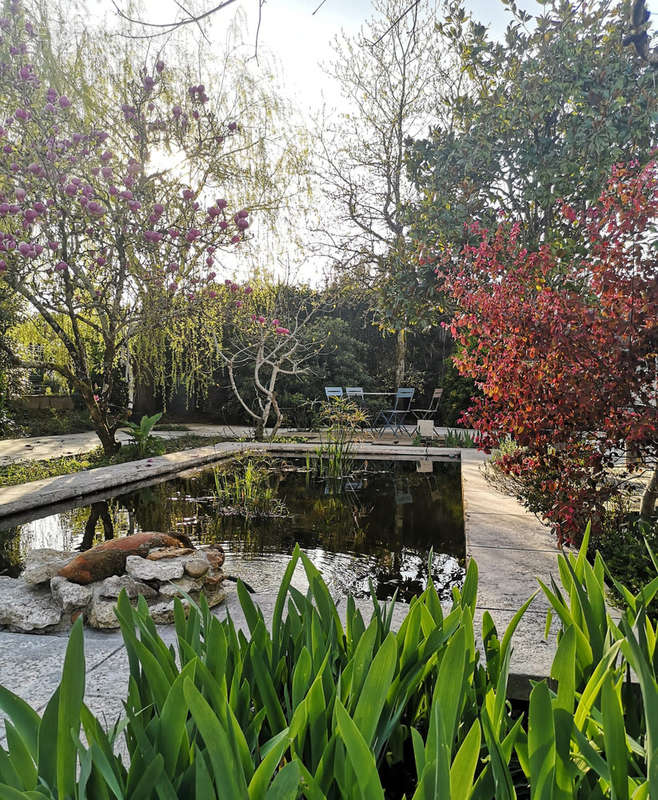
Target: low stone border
(51, 491)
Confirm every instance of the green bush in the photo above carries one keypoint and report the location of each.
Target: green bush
(320, 710)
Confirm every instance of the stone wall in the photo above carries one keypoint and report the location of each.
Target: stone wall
(34, 402)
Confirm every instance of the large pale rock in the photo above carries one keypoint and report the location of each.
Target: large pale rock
(28, 609)
(185, 584)
(214, 596)
(144, 570)
(196, 565)
(100, 613)
(110, 588)
(169, 552)
(43, 564)
(69, 596)
(163, 613)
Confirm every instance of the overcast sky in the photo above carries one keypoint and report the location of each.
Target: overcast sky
(299, 40)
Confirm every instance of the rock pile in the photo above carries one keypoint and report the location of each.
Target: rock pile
(57, 587)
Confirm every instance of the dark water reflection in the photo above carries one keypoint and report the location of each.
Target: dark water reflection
(377, 526)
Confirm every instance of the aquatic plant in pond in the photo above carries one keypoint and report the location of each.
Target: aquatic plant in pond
(244, 490)
(335, 454)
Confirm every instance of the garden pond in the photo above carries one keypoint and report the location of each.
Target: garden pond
(377, 525)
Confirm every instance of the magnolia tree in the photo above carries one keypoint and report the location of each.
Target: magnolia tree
(94, 235)
(257, 349)
(564, 344)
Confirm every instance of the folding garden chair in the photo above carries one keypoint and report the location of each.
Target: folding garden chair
(333, 391)
(431, 411)
(395, 417)
(355, 392)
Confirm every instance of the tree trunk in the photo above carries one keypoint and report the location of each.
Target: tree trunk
(650, 496)
(259, 430)
(103, 430)
(400, 357)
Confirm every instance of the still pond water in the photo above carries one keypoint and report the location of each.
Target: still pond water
(379, 525)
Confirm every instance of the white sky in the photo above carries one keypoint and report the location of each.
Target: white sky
(299, 40)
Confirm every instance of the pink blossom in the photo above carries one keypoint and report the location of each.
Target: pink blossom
(61, 266)
(222, 203)
(20, 195)
(64, 102)
(159, 66)
(282, 331)
(188, 194)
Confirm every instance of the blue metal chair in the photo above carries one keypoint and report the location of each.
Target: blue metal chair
(394, 418)
(333, 391)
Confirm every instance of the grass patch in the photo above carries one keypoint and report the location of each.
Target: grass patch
(24, 472)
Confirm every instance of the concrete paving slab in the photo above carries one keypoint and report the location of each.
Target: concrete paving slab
(508, 531)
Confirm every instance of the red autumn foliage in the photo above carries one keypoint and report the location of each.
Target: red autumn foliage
(563, 342)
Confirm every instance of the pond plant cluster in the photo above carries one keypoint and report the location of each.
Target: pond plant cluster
(318, 709)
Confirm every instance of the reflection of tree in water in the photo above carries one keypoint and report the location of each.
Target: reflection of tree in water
(10, 552)
(100, 510)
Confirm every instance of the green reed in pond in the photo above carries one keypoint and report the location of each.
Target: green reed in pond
(247, 491)
(343, 418)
